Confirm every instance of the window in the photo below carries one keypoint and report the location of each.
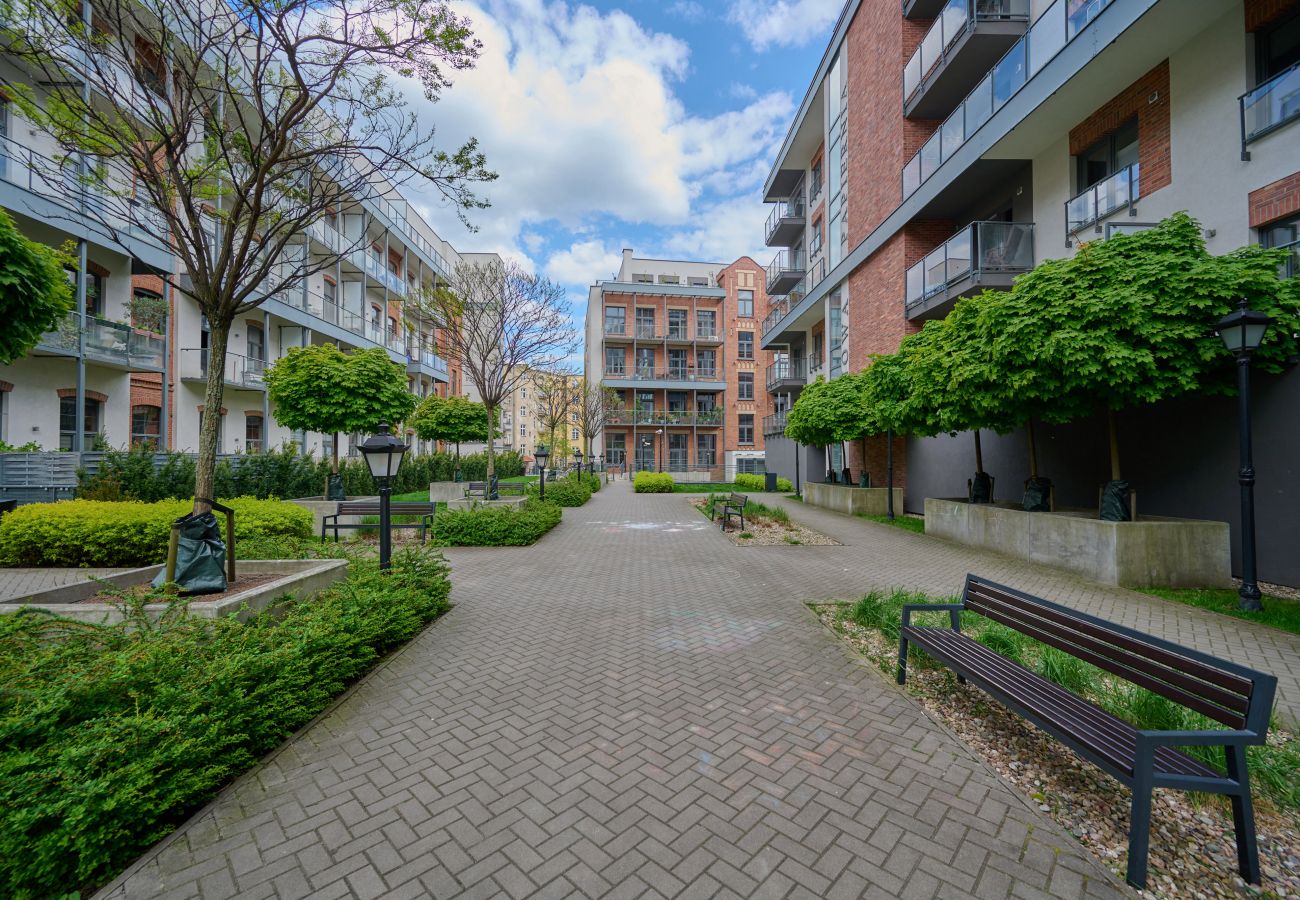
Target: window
(615, 449)
(670, 279)
(330, 293)
(256, 342)
(697, 281)
(745, 385)
(149, 69)
(253, 440)
(815, 240)
(706, 323)
(615, 319)
(221, 430)
(745, 304)
(641, 278)
(706, 363)
(94, 290)
(146, 425)
(815, 185)
(68, 422)
(749, 465)
(1114, 152)
(706, 449)
(676, 363)
(392, 327)
(575, 434)
(818, 351)
(745, 430)
(677, 324)
(645, 322)
(1277, 47)
(645, 361)
(744, 345)
(1284, 233)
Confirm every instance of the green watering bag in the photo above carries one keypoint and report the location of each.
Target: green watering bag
(200, 556)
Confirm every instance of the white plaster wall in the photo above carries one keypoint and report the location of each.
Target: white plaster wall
(32, 407)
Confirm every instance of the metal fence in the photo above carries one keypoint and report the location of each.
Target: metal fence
(49, 476)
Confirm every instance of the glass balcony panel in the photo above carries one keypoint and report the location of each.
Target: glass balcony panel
(1081, 210)
(935, 269)
(146, 350)
(1271, 104)
(959, 256)
(1009, 74)
(912, 175)
(1046, 37)
(1082, 15)
(952, 22)
(915, 283)
(979, 105)
(104, 338)
(1005, 246)
(912, 73)
(930, 157)
(952, 134)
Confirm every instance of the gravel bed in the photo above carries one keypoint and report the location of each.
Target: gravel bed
(1286, 592)
(1193, 853)
(765, 532)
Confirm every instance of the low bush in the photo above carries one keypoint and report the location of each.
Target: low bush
(496, 526)
(111, 735)
(98, 533)
(652, 483)
(749, 482)
(563, 491)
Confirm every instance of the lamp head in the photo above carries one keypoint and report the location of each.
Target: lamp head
(383, 453)
(1243, 329)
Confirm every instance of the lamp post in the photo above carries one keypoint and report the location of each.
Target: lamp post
(577, 460)
(659, 463)
(541, 454)
(383, 453)
(1242, 331)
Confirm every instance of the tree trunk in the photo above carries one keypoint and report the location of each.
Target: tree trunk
(491, 459)
(1114, 444)
(334, 467)
(979, 453)
(206, 466)
(1033, 450)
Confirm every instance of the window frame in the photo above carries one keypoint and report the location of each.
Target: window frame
(745, 345)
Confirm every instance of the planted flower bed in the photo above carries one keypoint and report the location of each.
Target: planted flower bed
(764, 525)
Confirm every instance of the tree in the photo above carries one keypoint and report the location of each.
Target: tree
(34, 295)
(594, 406)
(321, 388)
(556, 398)
(237, 125)
(501, 323)
(828, 412)
(451, 420)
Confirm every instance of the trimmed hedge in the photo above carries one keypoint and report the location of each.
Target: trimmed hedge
(652, 483)
(564, 491)
(99, 533)
(749, 482)
(496, 526)
(111, 735)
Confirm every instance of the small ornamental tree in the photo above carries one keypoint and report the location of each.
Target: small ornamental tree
(556, 405)
(828, 412)
(34, 295)
(321, 388)
(594, 406)
(452, 420)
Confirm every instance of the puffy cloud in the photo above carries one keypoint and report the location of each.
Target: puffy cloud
(688, 11)
(725, 230)
(583, 263)
(785, 23)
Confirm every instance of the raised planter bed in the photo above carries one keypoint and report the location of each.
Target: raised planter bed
(1153, 551)
(475, 502)
(269, 579)
(852, 501)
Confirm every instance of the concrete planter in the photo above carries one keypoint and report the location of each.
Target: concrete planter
(1153, 551)
(446, 491)
(319, 507)
(300, 577)
(851, 500)
(475, 503)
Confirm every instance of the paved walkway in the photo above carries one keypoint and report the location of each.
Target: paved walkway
(17, 584)
(636, 707)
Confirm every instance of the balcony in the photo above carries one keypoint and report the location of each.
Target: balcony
(107, 343)
(1047, 37)
(782, 308)
(787, 374)
(785, 271)
(673, 377)
(420, 360)
(982, 255)
(786, 221)
(1269, 106)
(774, 425)
(708, 418)
(241, 372)
(922, 9)
(963, 43)
(679, 332)
(1101, 200)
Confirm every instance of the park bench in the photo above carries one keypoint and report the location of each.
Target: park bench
(422, 508)
(1231, 694)
(734, 505)
(477, 490)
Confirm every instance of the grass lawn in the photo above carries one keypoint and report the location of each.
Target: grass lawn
(1277, 612)
(703, 488)
(907, 523)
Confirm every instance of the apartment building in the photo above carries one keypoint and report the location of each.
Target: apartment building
(110, 374)
(945, 147)
(524, 415)
(677, 342)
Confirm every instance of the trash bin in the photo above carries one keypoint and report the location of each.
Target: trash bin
(769, 481)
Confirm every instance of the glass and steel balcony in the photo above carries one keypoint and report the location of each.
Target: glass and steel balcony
(1058, 26)
(1105, 197)
(1269, 106)
(982, 255)
(110, 343)
(781, 308)
(709, 418)
(962, 44)
(669, 373)
(785, 271)
(774, 425)
(422, 358)
(785, 223)
(787, 374)
(239, 371)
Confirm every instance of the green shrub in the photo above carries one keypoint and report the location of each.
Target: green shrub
(652, 483)
(111, 735)
(98, 533)
(496, 526)
(563, 492)
(1003, 640)
(1068, 671)
(746, 481)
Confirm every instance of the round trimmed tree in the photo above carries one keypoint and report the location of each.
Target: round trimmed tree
(452, 420)
(34, 294)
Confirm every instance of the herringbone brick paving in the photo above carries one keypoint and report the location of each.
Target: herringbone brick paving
(633, 707)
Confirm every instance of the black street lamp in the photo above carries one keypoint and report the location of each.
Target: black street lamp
(1242, 332)
(541, 454)
(383, 453)
(659, 463)
(577, 459)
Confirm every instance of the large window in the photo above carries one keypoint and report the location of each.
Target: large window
(221, 431)
(745, 385)
(745, 431)
(1117, 150)
(1284, 233)
(254, 439)
(614, 359)
(706, 323)
(745, 304)
(748, 465)
(706, 363)
(645, 362)
(1277, 47)
(68, 422)
(677, 324)
(645, 322)
(744, 345)
(146, 426)
(615, 449)
(615, 319)
(256, 342)
(677, 363)
(706, 449)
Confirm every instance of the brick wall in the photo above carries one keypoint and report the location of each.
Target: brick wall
(146, 387)
(743, 274)
(1148, 99)
(1275, 201)
(1264, 12)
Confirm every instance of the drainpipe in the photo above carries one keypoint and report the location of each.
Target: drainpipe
(266, 395)
(78, 438)
(164, 417)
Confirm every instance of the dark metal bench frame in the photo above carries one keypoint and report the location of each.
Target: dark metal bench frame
(734, 505)
(1239, 697)
(424, 509)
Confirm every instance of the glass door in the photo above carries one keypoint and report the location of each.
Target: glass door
(677, 452)
(645, 452)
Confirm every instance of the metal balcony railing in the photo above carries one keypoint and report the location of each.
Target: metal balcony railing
(785, 270)
(956, 18)
(774, 424)
(240, 371)
(1103, 198)
(670, 373)
(616, 329)
(1269, 106)
(785, 211)
(1004, 247)
(1055, 28)
(786, 370)
(625, 416)
(106, 341)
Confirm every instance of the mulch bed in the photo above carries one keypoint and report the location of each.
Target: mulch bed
(1193, 853)
(768, 533)
(238, 586)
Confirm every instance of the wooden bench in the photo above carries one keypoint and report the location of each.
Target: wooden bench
(422, 508)
(734, 505)
(477, 490)
(1231, 694)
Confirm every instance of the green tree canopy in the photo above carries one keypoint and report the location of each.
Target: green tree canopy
(828, 412)
(321, 388)
(451, 419)
(34, 295)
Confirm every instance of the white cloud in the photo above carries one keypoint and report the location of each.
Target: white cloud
(785, 23)
(726, 230)
(742, 91)
(583, 263)
(688, 11)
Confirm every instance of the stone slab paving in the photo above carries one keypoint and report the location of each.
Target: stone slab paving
(632, 707)
(16, 584)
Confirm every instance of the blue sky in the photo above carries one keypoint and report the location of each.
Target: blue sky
(647, 123)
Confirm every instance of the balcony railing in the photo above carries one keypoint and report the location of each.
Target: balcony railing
(654, 332)
(1046, 37)
(426, 357)
(774, 424)
(1103, 198)
(957, 17)
(1269, 106)
(106, 341)
(240, 371)
(785, 271)
(624, 416)
(671, 373)
(786, 217)
(615, 329)
(786, 370)
(982, 247)
(781, 308)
